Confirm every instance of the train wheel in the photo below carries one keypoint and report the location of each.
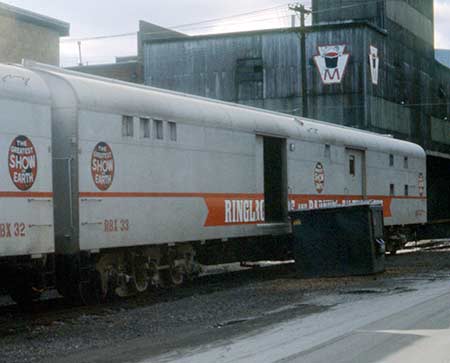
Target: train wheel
(173, 276)
(140, 274)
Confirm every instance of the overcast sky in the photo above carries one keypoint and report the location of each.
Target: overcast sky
(90, 18)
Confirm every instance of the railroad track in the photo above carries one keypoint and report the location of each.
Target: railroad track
(55, 309)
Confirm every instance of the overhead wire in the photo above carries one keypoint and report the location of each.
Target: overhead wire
(175, 27)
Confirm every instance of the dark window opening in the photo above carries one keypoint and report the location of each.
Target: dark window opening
(145, 128)
(173, 131)
(352, 168)
(328, 151)
(392, 190)
(406, 190)
(158, 131)
(406, 162)
(249, 79)
(127, 126)
(391, 160)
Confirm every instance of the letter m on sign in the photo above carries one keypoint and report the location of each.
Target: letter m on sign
(332, 76)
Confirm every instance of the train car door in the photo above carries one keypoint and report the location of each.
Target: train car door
(356, 173)
(275, 180)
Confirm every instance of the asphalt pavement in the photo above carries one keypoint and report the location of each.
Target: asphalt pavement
(404, 326)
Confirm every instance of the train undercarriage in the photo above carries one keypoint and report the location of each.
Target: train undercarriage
(93, 277)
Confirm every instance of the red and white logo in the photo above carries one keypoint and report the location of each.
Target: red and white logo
(319, 178)
(22, 162)
(102, 166)
(374, 60)
(421, 185)
(332, 63)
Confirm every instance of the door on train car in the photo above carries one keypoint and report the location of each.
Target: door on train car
(275, 180)
(356, 173)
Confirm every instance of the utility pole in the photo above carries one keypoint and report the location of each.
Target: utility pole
(80, 59)
(303, 12)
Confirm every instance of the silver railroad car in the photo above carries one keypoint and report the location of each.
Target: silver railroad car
(26, 205)
(146, 179)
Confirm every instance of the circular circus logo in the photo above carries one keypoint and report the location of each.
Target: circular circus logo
(319, 177)
(102, 166)
(22, 162)
(421, 185)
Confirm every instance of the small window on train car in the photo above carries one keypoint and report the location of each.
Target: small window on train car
(145, 128)
(392, 190)
(405, 162)
(391, 160)
(127, 126)
(406, 190)
(327, 151)
(158, 129)
(351, 165)
(173, 131)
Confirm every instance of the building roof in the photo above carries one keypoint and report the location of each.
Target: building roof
(308, 29)
(61, 27)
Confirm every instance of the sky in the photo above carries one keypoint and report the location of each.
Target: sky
(92, 18)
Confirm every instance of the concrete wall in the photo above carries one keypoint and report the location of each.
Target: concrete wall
(21, 39)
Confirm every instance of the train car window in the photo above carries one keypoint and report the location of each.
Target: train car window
(405, 162)
(145, 128)
(127, 126)
(351, 165)
(391, 160)
(173, 131)
(328, 151)
(406, 190)
(158, 129)
(392, 190)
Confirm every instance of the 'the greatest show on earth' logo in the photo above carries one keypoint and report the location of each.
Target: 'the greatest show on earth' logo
(102, 166)
(22, 163)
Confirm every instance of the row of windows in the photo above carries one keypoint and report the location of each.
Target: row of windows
(352, 161)
(327, 154)
(147, 127)
(392, 190)
(392, 161)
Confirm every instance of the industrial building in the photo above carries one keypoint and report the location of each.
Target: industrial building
(27, 35)
(368, 65)
(130, 69)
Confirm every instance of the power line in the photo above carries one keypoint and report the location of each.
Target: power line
(278, 17)
(182, 26)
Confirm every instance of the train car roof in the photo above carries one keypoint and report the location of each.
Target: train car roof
(106, 95)
(20, 84)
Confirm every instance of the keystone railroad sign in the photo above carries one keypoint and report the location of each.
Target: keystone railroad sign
(374, 64)
(332, 63)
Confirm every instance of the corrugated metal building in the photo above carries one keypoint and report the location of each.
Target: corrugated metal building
(130, 69)
(379, 74)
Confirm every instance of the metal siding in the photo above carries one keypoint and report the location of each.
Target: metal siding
(440, 130)
(25, 105)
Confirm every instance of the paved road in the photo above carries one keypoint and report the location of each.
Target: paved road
(408, 326)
